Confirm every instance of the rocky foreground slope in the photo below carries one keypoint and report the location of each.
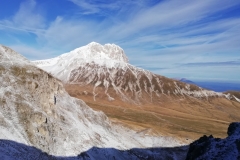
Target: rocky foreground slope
(28, 115)
(139, 99)
(206, 148)
(215, 148)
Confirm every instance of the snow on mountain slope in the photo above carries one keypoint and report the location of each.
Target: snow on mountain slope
(108, 55)
(107, 67)
(28, 114)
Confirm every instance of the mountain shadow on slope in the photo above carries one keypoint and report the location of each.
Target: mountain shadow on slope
(12, 150)
(215, 148)
(207, 147)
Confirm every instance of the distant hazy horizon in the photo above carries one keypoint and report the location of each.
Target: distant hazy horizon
(218, 86)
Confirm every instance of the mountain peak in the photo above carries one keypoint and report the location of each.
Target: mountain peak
(93, 44)
(95, 50)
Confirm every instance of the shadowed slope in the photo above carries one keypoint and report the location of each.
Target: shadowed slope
(11, 150)
(204, 148)
(208, 148)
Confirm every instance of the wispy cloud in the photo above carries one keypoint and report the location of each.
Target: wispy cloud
(206, 64)
(27, 16)
(26, 19)
(103, 8)
(33, 53)
(93, 7)
(171, 14)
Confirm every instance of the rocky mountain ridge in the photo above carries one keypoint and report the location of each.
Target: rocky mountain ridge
(106, 67)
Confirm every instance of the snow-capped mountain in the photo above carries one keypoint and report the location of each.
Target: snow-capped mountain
(107, 67)
(109, 55)
(139, 99)
(29, 115)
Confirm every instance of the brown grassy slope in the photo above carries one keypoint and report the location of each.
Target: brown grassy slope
(180, 116)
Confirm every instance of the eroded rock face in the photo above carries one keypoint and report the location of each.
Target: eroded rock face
(216, 148)
(27, 105)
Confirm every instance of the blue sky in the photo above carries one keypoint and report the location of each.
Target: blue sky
(197, 40)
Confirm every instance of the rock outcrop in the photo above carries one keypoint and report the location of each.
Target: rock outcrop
(216, 148)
